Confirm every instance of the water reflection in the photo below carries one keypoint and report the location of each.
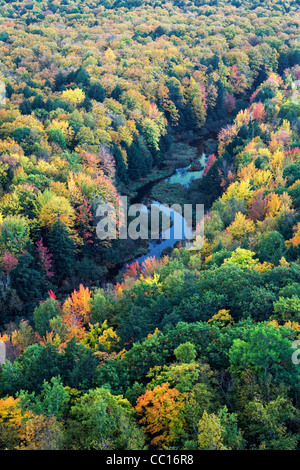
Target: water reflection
(170, 236)
(185, 176)
(179, 230)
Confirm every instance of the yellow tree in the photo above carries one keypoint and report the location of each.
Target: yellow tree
(73, 97)
(11, 423)
(57, 207)
(241, 226)
(277, 204)
(210, 432)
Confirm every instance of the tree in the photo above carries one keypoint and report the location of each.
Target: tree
(196, 95)
(161, 411)
(28, 282)
(269, 421)
(11, 423)
(57, 208)
(210, 433)
(258, 207)
(52, 400)
(106, 422)
(267, 351)
(241, 226)
(287, 309)
(25, 107)
(97, 92)
(137, 165)
(99, 337)
(116, 93)
(271, 247)
(185, 352)
(44, 258)
(42, 433)
(231, 434)
(243, 258)
(24, 430)
(152, 133)
(222, 318)
(14, 234)
(295, 240)
(23, 336)
(57, 136)
(62, 248)
(82, 78)
(78, 305)
(44, 313)
(121, 169)
(259, 112)
(73, 97)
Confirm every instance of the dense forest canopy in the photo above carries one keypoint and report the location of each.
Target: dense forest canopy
(192, 350)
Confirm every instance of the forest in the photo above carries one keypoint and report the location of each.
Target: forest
(191, 350)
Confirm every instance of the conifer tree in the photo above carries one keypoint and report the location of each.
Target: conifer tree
(62, 248)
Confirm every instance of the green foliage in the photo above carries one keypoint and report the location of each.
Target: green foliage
(270, 423)
(52, 401)
(272, 247)
(287, 309)
(44, 313)
(266, 350)
(241, 257)
(56, 136)
(106, 422)
(14, 234)
(185, 352)
(62, 248)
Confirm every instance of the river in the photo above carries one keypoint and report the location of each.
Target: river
(170, 236)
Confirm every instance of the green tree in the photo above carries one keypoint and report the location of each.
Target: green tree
(243, 258)
(185, 352)
(287, 309)
(44, 313)
(51, 401)
(269, 422)
(267, 351)
(106, 422)
(62, 248)
(57, 136)
(271, 247)
(97, 92)
(28, 282)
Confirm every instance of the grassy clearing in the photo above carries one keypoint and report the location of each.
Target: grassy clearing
(168, 193)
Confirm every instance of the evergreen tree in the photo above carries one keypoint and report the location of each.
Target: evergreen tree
(9, 90)
(87, 104)
(28, 282)
(38, 102)
(116, 93)
(121, 169)
(62, 248)
(82, 78)
(97, 92)
(60, 81)
(137, 166)
(25, 107)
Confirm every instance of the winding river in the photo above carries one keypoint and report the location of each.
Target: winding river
(180, 229)
(184, 176)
